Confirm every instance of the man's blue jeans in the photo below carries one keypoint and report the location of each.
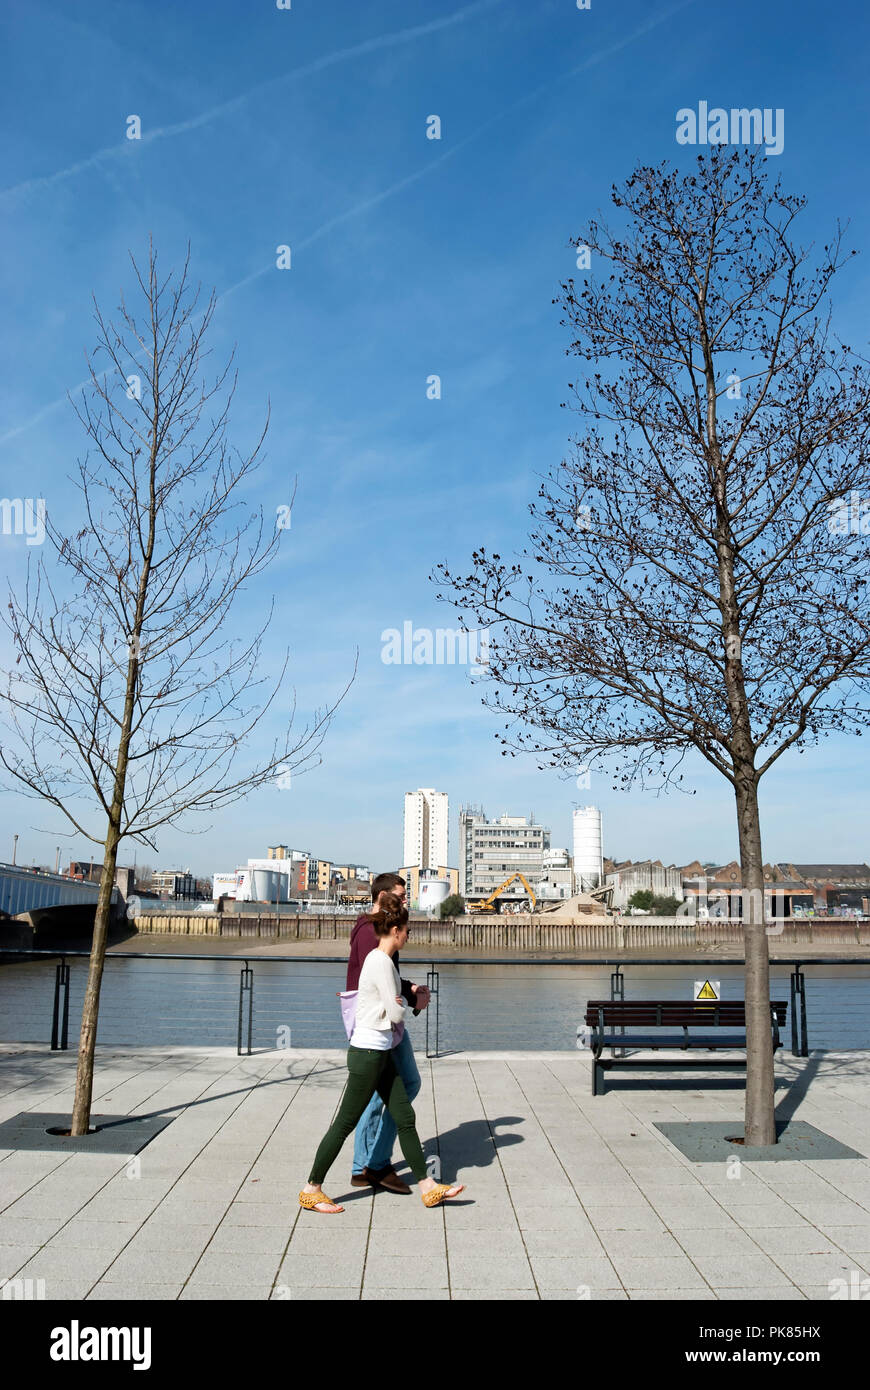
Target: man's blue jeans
(375, 1134)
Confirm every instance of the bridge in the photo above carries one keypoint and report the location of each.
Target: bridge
(46, 904)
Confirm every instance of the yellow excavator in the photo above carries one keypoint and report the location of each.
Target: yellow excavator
(489, 904)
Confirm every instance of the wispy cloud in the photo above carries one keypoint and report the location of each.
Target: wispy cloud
(498, 119)
(125, 148)
(365, 204)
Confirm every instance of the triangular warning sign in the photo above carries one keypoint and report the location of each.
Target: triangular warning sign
(706, 991)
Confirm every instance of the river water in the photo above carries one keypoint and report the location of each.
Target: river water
(482, 1007)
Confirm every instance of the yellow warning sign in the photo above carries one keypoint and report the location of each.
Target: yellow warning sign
(707, 989)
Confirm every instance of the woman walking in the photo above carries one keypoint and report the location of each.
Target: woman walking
(380, 1016)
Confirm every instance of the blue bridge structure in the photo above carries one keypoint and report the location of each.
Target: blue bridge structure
(46, 904)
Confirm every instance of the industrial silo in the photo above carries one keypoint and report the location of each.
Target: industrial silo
(433, 892)
(267, 886)
(588, 864)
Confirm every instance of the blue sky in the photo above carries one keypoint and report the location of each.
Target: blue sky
(410, 257)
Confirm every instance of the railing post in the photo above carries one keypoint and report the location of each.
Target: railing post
(246, 986)
(61, 981)
(799, 1036)
(432, 979)
(617, 992)
(64, 1026)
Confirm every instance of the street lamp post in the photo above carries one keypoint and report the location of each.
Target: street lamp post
(14, 847)
(57, 859)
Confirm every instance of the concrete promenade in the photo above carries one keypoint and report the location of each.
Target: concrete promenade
(568, 1197)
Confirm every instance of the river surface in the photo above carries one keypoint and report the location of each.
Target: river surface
(482, 1007)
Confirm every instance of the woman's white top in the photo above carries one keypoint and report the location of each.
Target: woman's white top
(376, 1006)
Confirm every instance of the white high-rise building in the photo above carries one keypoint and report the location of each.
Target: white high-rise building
(425, 828)
(588, 864)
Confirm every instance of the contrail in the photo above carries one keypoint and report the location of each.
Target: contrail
(127, 147)
(454, 149)
(409, 178)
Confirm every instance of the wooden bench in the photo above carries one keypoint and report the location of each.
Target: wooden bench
(607, 1016)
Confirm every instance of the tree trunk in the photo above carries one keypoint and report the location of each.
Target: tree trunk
(759, 1123)
(88, 1038)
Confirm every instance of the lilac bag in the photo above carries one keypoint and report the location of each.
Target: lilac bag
(347, 999)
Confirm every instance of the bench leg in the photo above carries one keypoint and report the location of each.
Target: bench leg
(597, 1078)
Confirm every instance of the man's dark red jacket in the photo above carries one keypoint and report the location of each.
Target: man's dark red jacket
(363, 939)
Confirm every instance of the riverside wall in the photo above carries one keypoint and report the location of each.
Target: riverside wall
(525, 935)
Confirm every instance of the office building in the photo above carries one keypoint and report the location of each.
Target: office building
(490, 851)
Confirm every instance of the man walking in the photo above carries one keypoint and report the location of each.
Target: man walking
(376, 1132)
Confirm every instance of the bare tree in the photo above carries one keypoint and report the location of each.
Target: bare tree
(698, 577)
(132, 697)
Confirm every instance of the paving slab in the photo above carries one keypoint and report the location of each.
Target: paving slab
(223, 1293)
(658, 1272)
(170, 1237)
(777, 1293)
(594, 1296)
(243, 1268)
(742, 1271)
(341, 1240)
(672, 1295)
(819, 1269)
(321, 1271)
(371, 1293)
(15, 1257)
(480, 1272)
(792, 1240)
(136, 1291)
(28, 1230)
(854, 1239)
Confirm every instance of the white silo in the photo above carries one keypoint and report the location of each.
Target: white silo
(433, 892)
(268, 886)
(588, 864)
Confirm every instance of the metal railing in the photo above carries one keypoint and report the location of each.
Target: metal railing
(434, 969)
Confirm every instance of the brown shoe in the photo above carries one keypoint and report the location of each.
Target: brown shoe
(389, 1178)
(367, 1178)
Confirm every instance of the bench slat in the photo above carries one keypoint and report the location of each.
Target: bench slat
(656, 1040)
(679, 1013)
